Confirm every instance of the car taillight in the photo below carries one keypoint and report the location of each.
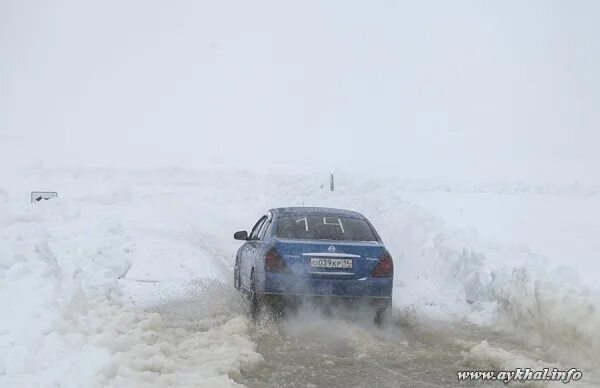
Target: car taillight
(274, 262)
(385, 267)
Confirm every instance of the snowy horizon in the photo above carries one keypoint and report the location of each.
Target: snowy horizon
(502, 91)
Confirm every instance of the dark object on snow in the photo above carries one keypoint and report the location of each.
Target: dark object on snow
(37, 196)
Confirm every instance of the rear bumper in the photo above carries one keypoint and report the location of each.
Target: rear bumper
(294, 300)
(294, 286)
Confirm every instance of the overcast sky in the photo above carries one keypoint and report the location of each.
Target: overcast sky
(460, 89)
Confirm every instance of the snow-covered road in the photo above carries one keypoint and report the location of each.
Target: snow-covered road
(311, 349)
(173, 318)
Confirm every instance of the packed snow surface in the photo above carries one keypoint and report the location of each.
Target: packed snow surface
(79, 275)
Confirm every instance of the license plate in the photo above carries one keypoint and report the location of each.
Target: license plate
(330, 263)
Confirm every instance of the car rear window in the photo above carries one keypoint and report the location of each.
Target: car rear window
(324, 228)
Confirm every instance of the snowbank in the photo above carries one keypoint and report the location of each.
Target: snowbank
(54, 265)
(442, 272)
(62, 323)
(561, 317)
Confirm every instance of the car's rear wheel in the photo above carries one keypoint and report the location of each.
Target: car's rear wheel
(253, 297)
(237, 281)
(383, 315)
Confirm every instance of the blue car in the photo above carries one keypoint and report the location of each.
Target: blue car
(314, 253)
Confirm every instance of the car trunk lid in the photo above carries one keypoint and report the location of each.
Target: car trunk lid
(330, 259)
